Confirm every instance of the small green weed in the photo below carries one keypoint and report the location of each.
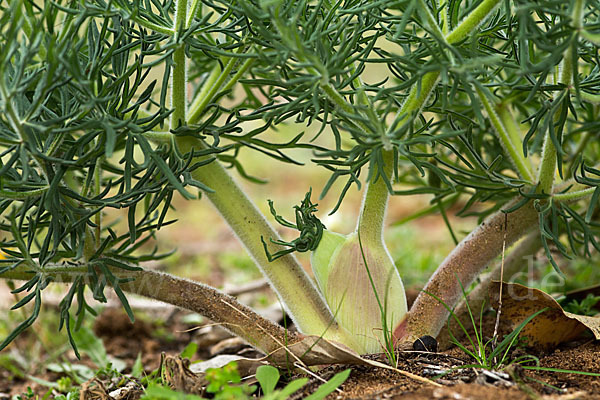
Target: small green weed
(268, 377)
(225, 384)
(494, 358)
(484, 353)
(583, 307)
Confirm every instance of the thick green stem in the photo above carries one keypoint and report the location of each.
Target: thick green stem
(547, 169)
(516, 138)
(418, 95)
(152, 26)
(303, 301)
(23, 195)
(430, 20)
(547, 166)
(343, 105)
(210, 88)
(372, 215)
(472, 21)
(573, 196)
(466, 261)
(205, 300)
(421, 91)
(428, 316)
(179, 71)
(509, 136)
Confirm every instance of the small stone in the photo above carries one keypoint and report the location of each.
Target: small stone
(426, 343)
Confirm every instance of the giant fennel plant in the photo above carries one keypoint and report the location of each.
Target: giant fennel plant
(124, 104)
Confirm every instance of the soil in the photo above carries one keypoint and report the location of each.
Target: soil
(125, 341)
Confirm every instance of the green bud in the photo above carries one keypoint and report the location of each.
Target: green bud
(342, 276)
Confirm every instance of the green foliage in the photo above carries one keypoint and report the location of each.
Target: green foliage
(584, 307)
(64, 384)
(93, 347)
(138, 368)
(158, 392)
(189, 350)
(224, 383)
(268, 377)
(310, 227)
(325, 389)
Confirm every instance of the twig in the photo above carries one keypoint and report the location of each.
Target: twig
(317, 377)
(495, 341)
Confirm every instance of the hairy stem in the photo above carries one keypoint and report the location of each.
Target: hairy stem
(179, 71)
(304, 303)
(374, 205)
(301, 298)
(421, 91)
(516, 261)
(205, 300)
(507, 131)
(22, 195)
(211, 87)
(547, 169)
(427, 316)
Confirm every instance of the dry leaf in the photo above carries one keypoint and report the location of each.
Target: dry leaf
(548, 329)
(93, 390)
(179, 376)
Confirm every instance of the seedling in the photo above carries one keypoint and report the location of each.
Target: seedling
(584, 307)
(487, 354)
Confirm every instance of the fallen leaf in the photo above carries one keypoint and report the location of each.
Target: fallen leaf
(550, 328)
(580, 294)
(179, 376)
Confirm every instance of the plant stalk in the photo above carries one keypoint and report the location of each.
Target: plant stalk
(427, 316)
(372, 215)
(205, 300)
(303, 301)
(515, 262)
(509, 136)
(179, 71)
(547, 169)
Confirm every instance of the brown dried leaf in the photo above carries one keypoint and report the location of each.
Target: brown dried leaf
(548, 329)
(93, 390)
(178, 375)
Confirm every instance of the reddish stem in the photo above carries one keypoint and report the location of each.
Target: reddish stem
(427, 315)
